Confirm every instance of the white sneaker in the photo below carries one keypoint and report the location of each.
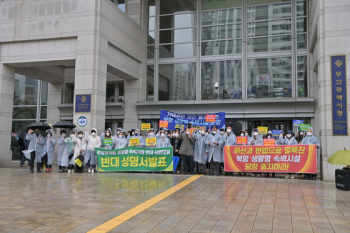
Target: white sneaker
(292, 177)
(258, 176)
(92, 170)
(69, 171)
(288, 177)
(89, 170)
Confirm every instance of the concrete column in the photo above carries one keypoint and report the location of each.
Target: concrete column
(7, 85)
(90, 78)
(132, 92)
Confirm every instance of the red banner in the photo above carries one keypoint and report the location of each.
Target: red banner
(209, 118)
(279, 159)
(241, 140)
(163, 124)
(269, 141)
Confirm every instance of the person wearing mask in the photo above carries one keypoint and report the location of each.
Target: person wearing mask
(310, 139)
(214, 142)
(186, 150)
(79, 149)
(163, 141)
(37, 148)
(229, 140)
(247, 134)
(175, 142)
(222, 133)
(120, 142)
(150, 134)
(300, 136)
(200, 151)
(256, 140)
(49, 149)
(288, 140)
(68, 153)
(61, 146)
(242, 134)
(107, 135)
(93, 141)
(135, 134)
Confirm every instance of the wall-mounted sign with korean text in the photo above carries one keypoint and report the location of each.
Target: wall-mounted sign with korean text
(82, 103)
(339, 108)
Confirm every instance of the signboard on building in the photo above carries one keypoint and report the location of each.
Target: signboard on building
(339, 108)
(82, 121)
(83, 103)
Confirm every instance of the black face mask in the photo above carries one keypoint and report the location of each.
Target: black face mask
(36, 132)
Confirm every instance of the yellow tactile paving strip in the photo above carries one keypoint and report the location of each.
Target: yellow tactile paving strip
(113, 223)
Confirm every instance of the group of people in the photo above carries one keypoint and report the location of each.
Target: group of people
(199, 150)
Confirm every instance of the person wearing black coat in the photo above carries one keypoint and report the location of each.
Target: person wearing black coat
(175, 142)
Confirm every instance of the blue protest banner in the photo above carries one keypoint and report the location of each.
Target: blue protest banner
(177, 120)
(296, 123)
(339, 108)
(276, 133)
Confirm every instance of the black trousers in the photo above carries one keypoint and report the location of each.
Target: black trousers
(188, 163)
(214, 167)
(32, 159)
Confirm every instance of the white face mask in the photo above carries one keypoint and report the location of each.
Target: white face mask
(107, 134)
(255, 133)
(93, 134)
(242, 134)
(288, 135)
(203, 132)
(222, 132)
(176, 134)
(162, 135)
(268, 136)
(246, 134)
(309, 134)
(72, 135)
(301, 133)
(188, 132)
(48, 135)
(120, 136)
(80, 136)
(63, 135)
(151, 134)
(229, 131)
(214, 132)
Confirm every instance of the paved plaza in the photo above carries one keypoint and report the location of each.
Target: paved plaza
(57, 202)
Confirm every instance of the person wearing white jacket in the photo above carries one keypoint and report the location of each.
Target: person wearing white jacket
(93, 141)
(80, 148)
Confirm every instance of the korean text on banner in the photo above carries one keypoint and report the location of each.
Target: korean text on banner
(269, 141)
(135, 159)
(277, 133)
(107, 142)
(288, 159)
(163, 124)
(241, 140)
(262, 130)
(151, 141)
(304, 127)
(134, 141)
(209, 118)
(145, 126)
(177, 120)
(296, 123)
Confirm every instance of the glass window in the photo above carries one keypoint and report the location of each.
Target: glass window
(177, 50)
(43, 112)
(177, 81)
(268, 28)
(301, 24)
(269, 78)
(269, 44)
(110, 93)
(150, 38)
(301, 8)
(150, 52)
(120, 4)
(178, 21)
(222, 16)
(218, 4)
(178, 35)
(221, 47)
(258, 2)
(24, 113)
(26, 90)
(150, 83)
(222, 32)
(151, 7)
(15, 148)
(44, 93)
(302, 41)
(228, 74)
(151, 23)
(302, 76)
(267, 12)
(121, 92)
(177, 6)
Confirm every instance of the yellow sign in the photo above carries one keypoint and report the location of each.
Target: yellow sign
(262, 130)
(134, 141)
(151, 141)
(145, 126)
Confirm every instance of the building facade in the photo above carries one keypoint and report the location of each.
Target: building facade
(270, 59)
